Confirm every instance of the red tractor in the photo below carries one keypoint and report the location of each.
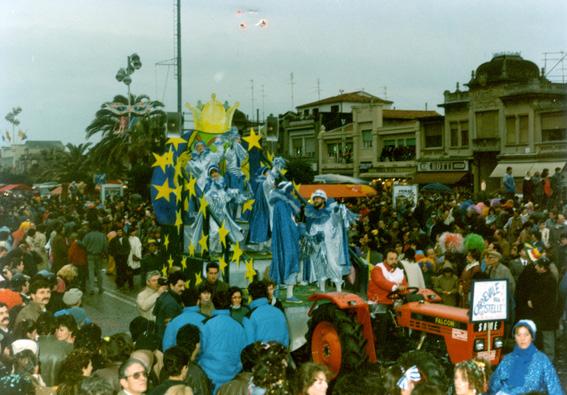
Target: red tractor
(341, 333)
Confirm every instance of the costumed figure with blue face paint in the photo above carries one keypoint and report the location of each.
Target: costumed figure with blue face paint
(285, 238)
(218, 197)
(235, 155)
(326, 240)
(201, 159)
(261, 218)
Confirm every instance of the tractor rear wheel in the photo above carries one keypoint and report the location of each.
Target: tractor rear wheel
(335, 339)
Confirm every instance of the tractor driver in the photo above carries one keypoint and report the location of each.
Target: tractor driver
(385, 277)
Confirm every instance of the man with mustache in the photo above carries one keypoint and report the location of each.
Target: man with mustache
(4, 322)
(40, 292)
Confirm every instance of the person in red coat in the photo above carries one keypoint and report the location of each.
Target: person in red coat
(386, 277)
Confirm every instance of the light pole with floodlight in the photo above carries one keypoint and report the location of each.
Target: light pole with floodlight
(123, 75)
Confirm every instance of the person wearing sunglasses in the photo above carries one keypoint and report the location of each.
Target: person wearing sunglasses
(133, 377)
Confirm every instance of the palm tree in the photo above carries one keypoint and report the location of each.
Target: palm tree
(128, 134)
(70, 165)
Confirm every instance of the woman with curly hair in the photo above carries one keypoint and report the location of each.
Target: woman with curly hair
(75, 368)
(469, 378)
(270, 371)
(312, 379)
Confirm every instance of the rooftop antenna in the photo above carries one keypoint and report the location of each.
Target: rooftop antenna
(557, 62)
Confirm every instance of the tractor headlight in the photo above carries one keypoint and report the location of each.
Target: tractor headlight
(498, 342)
(479, 345)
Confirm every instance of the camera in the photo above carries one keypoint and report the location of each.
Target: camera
(162, 281)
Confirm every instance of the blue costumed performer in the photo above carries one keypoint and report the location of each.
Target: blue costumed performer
(285, 238)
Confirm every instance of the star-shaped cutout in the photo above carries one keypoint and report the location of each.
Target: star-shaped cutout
(178, 191)
(164, 271)
(178, 221)
(186, 204)
(164, 190)
(161, 160)
(250, 272)
(169, 157)
(166, 241)
(191, 249)
(270, 156)
(203, 206)
(222, 264)
(283, 171)
(175, 141)
(198, 279)
(253, 140)
(190, 186)
(237, 253)
(170, 262)
(247, 205)
(223, 232)
(203, 243)
(296, 186)
(184, 263)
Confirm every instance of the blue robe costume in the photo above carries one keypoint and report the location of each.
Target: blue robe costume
(260, 219)
(285, 238)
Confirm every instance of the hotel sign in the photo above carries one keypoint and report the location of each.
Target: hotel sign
(443, 165)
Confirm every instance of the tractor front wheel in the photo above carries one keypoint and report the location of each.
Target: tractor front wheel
(336, 339)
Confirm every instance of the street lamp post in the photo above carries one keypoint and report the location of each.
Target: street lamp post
(123, 75)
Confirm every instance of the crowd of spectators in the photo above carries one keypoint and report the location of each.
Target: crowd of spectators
(220, 339)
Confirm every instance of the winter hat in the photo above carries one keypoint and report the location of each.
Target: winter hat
(533, 254)
(529, 325)
(24, 344)
(72, 296)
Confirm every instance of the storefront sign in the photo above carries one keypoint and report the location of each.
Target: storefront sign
(489, 300)
(443, 165)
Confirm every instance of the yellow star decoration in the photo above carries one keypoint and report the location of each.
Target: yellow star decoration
(222, 264)
(237, 254)
(296, 186)
(186, 204)
(166, 241)
(203, 206)
(170, 262)
(191, 249)
(198, 279)
(270, 156)
(250, 272)
(175, 141)
(184, 263)
(223, 232)
(203, 243)
(188, 284)
(247, 205)
(164, 271)
(283, 171)
(178, 221)
(161, 160)
(253, 140)
(169, 157)
(164, 190)
(190, 186)
(178, 191)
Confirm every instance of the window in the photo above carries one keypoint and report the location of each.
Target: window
(334, 150)
(335, 108)
(454, 128)
(487, 124)
(554, 126)
(367, 138)
(523, 125)
(510, 130)
(309, 147)
(464, 125)
(296, 147)
(433, 135)
(306, 113)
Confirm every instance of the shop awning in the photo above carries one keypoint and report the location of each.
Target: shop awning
(338, 190)
(520, 169)
(14, 187)
(448, 177)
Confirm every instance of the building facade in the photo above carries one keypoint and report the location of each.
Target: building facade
(19, 158)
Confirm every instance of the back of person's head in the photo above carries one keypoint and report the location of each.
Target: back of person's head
(190, 297)
(249, 357)
(258, 289)
(23, 328)
(73, 365)
(138, 326)
(117, 348)
(95, 385)
(180, 389)
(174, 277)
(410, 254)
(174, 360)
(425, 388)
(188, 337)
(270, 369)
(89, 337)
(368, 380)
(221, 300)
(67, 321)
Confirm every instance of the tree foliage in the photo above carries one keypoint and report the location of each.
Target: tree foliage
(299, 171)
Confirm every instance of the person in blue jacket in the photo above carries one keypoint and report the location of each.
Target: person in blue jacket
(525, 369)
(189, 315)
(222, 340)
(268, 323)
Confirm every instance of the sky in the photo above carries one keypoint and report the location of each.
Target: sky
(59, 58)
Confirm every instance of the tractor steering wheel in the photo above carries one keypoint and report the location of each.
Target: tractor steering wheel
(398, 294)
